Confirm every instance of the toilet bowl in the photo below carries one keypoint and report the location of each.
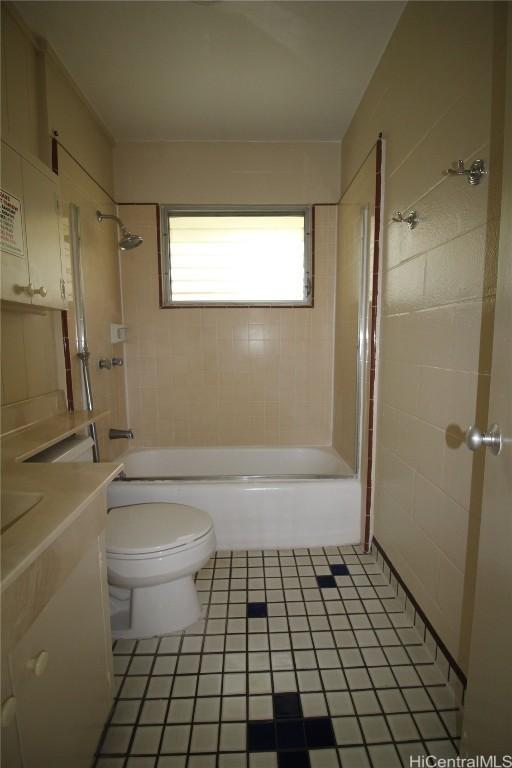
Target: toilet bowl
(153, 552)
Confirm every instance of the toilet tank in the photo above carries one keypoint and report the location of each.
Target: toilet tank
(73, 448)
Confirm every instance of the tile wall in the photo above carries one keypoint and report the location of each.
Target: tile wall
(437, 296)
(248, 376)
(32, 358)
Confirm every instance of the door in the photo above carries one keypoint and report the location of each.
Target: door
(15, 274)
(487, 724)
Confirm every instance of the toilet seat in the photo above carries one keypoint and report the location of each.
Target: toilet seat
(140, 531)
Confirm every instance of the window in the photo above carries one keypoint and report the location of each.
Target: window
(248, 257)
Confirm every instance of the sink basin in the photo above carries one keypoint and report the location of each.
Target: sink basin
(15, 505)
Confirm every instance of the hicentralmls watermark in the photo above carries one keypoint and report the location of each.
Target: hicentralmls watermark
(480, 761)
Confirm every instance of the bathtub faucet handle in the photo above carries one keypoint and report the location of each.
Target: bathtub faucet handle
(119, 434)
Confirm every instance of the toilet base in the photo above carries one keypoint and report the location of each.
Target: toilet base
(158, 610)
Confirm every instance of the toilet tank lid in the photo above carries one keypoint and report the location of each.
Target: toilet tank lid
(154, 527)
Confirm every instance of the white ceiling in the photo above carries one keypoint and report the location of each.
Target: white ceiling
(233, 71)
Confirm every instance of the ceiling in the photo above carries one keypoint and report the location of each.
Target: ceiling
(224, 71)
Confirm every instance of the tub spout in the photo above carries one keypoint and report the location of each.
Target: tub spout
(118, 434)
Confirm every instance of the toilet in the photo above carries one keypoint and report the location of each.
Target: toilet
(153, 552)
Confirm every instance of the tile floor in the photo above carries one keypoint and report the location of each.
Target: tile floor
(304, 659)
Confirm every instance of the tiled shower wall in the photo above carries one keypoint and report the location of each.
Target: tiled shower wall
(232, 376)
(437, 297)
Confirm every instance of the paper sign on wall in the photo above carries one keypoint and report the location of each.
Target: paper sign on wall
(11, 232)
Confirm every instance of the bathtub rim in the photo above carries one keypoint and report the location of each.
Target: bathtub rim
(241, 478)
(122, 477)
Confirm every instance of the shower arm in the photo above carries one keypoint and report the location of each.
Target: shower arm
(101, 216)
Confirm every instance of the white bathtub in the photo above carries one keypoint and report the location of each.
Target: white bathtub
(258, 497)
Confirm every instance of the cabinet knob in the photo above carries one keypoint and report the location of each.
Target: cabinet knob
(34, 291)
(30, 290)
(8, 711)
(38, 664)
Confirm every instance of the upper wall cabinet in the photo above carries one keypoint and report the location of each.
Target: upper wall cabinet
(13, 239)
(31, 243)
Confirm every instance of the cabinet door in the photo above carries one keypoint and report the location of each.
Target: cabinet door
(9, 744)
(61, 674)
(15, 273)
(42, 226)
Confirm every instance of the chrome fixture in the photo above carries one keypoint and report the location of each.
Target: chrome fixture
(117, 361)
(491, 439)
(119, 434)
(128, 239)
(411, 218)
(473, 174)
(30, 290)
(105, 363)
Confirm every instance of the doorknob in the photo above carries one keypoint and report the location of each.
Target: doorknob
(38, 664)
(491, 439)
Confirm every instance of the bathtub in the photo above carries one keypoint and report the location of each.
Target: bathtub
(259, 498)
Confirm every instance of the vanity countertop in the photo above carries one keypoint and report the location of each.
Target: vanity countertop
(65, 489)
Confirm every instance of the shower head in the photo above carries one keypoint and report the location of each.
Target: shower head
(128, 240)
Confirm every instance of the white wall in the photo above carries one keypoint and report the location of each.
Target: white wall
(227, 172)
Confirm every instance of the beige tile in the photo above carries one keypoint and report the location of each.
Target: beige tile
(14, 369)
(214, 376)
(445, 141)
(442, 519)
(400, 384)
(403, 287)
(395, 478)
(455, 271)
(450, 588)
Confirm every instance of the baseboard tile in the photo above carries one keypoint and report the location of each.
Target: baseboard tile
(443, 658)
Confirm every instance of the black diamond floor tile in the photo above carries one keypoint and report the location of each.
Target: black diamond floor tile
(338, 569)
(299, 759)
(290, 734)
(319, 732)
(257, 610)
(261, 736)
(326, 581)
(287, 705)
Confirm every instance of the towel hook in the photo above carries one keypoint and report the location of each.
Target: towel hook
(411, 218)
(473, 174)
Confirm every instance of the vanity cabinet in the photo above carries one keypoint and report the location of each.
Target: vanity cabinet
(61, 673)
(31, 243)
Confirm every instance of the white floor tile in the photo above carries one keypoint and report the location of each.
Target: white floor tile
(260, 708)
(233, 737)
(180, 710)
(204, 737)
(234, 708)
(207, 710)
(347, 731)
(146, 740)
(176, 738)
(313, 704)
